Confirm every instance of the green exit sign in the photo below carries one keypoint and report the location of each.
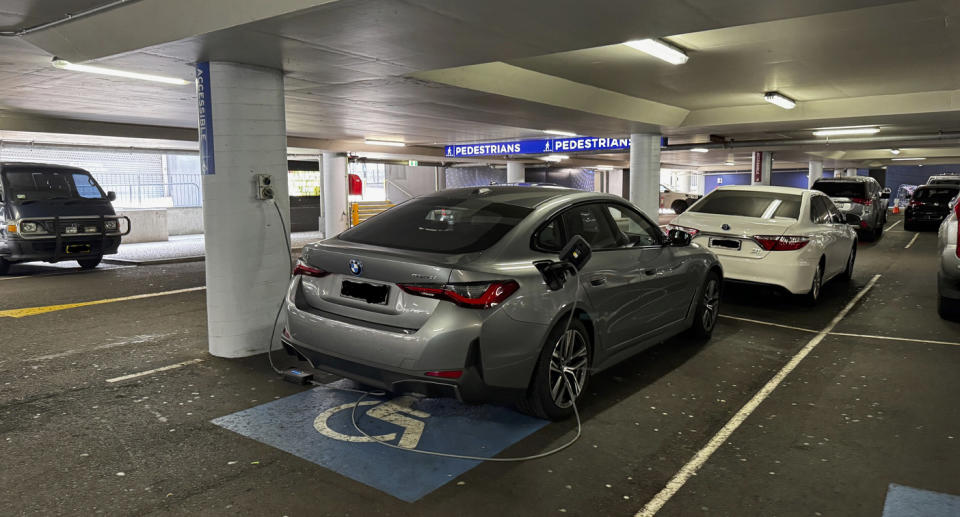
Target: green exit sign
(413, 163)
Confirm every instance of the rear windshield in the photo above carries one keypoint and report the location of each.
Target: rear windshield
(851, 189)
(935, 194)
(945, 181)
(40, 185)
(747, 203)
(439, 225)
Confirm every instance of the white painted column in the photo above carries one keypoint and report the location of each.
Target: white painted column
(814, 172)
(516, 172)
(248, 261)
(334, 170)
(762, 168)
(645, 173)
(851, 172)
(683, 182)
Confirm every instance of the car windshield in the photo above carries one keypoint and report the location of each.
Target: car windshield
(851, 189)
(440, 225)
(935, 194)
(750, 203)
(39, 185)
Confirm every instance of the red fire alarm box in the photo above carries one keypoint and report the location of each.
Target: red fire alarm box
(356, 185)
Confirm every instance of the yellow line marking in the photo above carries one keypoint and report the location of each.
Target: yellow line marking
(33, 311)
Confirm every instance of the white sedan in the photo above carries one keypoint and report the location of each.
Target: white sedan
(787, 237)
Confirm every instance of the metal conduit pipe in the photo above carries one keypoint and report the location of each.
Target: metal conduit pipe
(756, 144)
(67, 18)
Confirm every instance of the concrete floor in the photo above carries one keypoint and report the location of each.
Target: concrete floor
(855, 415)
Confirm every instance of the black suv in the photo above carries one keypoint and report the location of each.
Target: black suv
(861, 196)
(928, 206)
(54, 213)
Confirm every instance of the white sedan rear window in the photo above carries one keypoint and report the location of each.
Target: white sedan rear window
(764, 205)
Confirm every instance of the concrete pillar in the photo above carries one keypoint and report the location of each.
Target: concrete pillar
(516, 172)
(645, 173)
(683, 182)
(440, 178)
(243, 134)
(851, 172)
(334, 170)
(814, 172)
(762, 167)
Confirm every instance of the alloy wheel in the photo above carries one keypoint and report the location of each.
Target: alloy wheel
(711, 304)
(568, 368)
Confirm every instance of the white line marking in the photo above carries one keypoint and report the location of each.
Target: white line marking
(914, 239)
(888, 228)
(155, 370)
(891, 338)
(701, 457)
(135, 340)
(748, 320)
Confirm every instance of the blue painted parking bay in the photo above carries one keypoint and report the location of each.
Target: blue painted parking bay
(315, 425)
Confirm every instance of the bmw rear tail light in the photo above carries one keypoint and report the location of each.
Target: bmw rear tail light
(781, 242)
(472, 295)
(862, 201)
(305, 270)
(686, 229)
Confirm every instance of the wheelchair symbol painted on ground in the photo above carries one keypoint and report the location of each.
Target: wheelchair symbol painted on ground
(398, 411)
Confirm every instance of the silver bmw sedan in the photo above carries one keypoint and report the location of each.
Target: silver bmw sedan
(440, 295)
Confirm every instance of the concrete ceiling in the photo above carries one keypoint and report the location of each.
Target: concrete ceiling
(431, 72)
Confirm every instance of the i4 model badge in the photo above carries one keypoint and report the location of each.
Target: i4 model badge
(356, 267)
(725, 227)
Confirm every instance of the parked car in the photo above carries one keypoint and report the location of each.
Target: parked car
(54, 213)
(676, 201)
(440, 295)
(944, 179)
(948, 277)
(928, 206)
(791, 238)
(861, 196)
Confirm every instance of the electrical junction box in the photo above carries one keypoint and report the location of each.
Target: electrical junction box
(264, 186)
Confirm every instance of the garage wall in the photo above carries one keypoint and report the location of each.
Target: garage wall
(790, 178)
(458, 177)
(915, 175)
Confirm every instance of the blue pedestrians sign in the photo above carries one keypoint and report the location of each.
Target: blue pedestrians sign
(550, 145)
(316, 426)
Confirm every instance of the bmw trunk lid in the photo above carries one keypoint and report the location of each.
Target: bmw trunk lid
(360, 282)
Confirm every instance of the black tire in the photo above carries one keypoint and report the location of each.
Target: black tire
(89, 263)
(948, 308)
(816, 286)
(708, 308)
(909, 226)
(847, 274)
(544, 392)
(866, 235)
(878, 231)
(4, 266)
(679, 206)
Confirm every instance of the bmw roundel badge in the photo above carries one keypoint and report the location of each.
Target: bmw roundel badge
(356, 267)
(725, 227)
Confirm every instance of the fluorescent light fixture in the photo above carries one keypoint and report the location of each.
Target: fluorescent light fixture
(780, 100)
(555, 157)
(700, 150)
(603, 167)
(847, 131)
(384, 142)
(660, 50)
(729, 162)
(906, 159)
(90, 69)
(559, 132)
(894, 151)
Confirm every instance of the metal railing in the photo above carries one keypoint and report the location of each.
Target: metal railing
(153, 190)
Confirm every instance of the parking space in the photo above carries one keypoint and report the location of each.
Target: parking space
(855, 416)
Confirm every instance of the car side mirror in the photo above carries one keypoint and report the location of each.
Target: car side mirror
(885, 194)
(678, 238)
(111, 196)
(853, 219)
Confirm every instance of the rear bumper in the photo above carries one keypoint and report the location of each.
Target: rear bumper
(397, 360)
(778, 268)
(933, 218)
(56, 250)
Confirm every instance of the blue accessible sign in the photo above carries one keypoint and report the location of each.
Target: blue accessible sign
(205, 121)
(316, 426)
(550, 145)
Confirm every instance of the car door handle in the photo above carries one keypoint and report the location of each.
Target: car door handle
(598, 280)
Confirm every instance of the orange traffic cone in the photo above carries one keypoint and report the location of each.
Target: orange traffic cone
(896, 209)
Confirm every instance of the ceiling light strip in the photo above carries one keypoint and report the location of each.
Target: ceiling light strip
(91, 69)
